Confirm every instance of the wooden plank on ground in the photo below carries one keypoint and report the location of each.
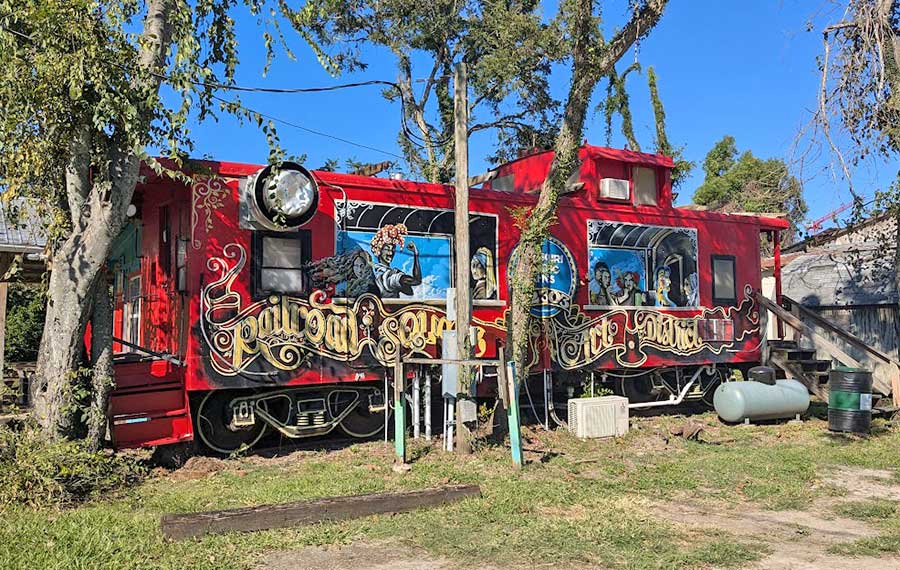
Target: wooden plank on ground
(264, 517)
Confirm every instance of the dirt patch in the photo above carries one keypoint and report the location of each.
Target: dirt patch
(358, 556)
(864, 483)
(799, 540)
(199, 467)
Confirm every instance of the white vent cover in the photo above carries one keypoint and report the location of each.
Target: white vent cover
(598, 417)
(615, 189)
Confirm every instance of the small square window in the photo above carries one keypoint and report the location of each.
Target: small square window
(724, 283)
(645, 191)
(279, 261)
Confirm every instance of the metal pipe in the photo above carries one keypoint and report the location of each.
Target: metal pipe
(416, 402)
(673, 401)
(451, 422)
(162, 355)
(428, 407)
(547, 400)
(387, 407)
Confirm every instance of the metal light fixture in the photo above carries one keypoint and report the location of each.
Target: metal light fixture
(285, 196)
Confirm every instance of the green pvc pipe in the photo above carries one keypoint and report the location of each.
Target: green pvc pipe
(513, 418)
(400, 427)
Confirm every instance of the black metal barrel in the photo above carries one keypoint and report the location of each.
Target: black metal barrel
(849, 400)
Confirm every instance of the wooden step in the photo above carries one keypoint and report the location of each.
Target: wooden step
(814, 365)
(800, 354)
(822, 378)
(794, 369)
(782, 344)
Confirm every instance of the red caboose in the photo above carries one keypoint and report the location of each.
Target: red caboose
(277, 299)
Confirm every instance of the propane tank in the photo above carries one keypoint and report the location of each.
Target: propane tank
(750, 400)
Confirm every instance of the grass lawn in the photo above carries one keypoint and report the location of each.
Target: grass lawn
(576, 502)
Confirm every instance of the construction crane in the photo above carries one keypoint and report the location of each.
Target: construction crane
(815, 226)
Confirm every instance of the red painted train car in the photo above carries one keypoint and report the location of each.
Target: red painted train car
(276, 299)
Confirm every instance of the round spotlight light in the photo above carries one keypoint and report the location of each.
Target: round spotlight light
(286, 195)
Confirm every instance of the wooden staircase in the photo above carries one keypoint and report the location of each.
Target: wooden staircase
(801, 364)
(826, 343)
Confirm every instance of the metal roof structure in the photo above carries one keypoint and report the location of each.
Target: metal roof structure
(843, 266)
(840, 275)
(21, 230)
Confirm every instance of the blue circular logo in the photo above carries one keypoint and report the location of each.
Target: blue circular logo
(555, 283)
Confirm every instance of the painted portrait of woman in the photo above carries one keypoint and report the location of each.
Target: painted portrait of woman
(346, 275)
(482, 267)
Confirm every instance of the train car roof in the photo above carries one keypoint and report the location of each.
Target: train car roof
(228, 169)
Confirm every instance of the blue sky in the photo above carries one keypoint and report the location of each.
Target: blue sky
(747, 69)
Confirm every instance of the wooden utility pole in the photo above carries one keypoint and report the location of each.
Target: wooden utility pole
(461, 224)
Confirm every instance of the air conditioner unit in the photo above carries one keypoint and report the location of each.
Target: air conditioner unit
(598, 417)
(615, 189)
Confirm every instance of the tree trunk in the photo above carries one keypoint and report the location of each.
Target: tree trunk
(97, 201)
(71, 292)
(61, 353)
(102, 379)
(588, 67)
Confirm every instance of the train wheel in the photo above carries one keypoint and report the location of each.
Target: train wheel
(215, 424)
(364, 421)
(710, 384)
(640, 389)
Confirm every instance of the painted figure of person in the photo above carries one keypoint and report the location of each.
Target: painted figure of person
(482, 267)
(392, 281)
(690, 290)
(663, 285)
(631, 295)
(598, 288)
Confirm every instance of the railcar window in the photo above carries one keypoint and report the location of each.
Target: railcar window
(181, 264)
(131, 313)
(279, 261)
(165, 245)
(645, 186)
(724, 287)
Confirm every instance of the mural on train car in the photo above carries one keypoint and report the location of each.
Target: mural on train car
(409, 252)
(626, 260)
(364, 306)
(249, 337)
(633, 265)
(373, 300)
(554, 286)
(628, 336)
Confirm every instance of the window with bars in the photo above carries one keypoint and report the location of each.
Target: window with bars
(278, 260)
(131, 313)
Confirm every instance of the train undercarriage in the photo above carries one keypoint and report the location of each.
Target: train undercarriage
(227, 421)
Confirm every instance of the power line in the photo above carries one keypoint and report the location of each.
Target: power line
(232, 87)
(407, 132)
(306, 129)
(415, 139)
